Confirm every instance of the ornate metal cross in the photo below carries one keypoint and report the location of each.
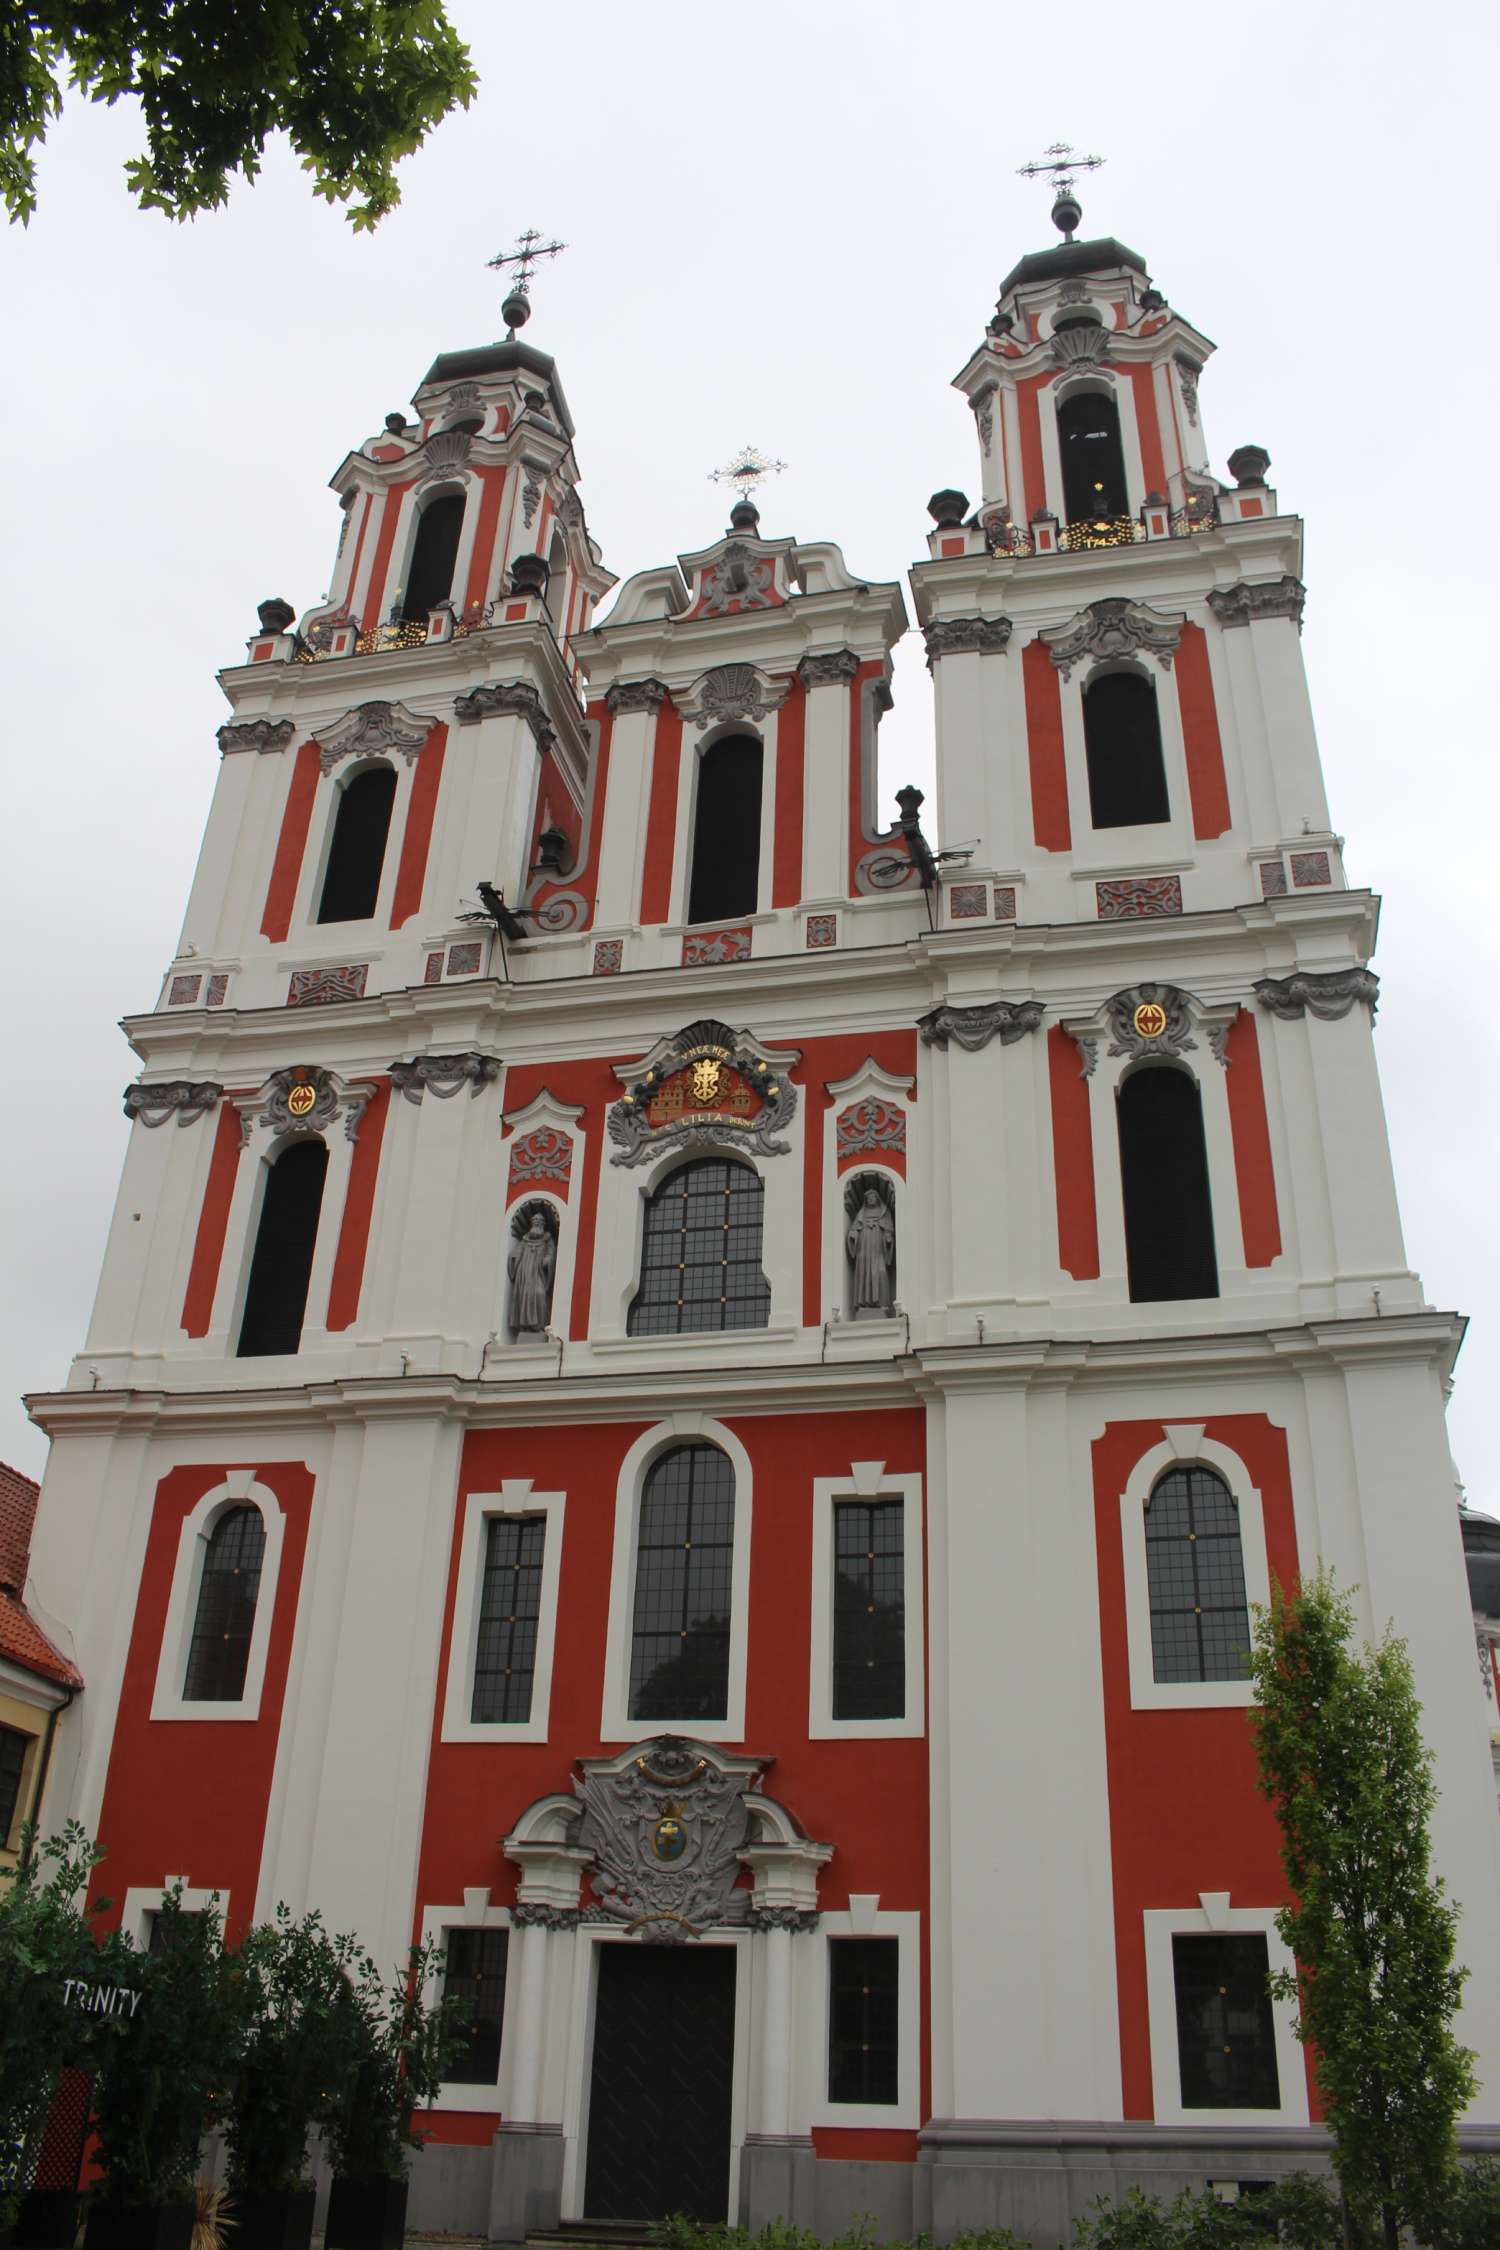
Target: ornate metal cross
(746, 471)
(529, 247)
(1058, 164)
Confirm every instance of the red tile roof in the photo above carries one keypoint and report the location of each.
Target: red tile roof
(22, 1640)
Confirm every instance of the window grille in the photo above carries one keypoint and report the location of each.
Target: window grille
(13, 1748)
(1226, 2034)
(509, 1606)
(701, 1251)
(863, 2019)
(285, 1239)
(1195, 1577)
(219, 1651)
(869, 1610)
(475, 1974)
(684, 1574)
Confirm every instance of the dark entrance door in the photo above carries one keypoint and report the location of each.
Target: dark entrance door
(663, 2067)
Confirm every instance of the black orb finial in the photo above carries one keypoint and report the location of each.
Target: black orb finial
(948, 509)
(275, 615)
(516, 310)
(744, 516)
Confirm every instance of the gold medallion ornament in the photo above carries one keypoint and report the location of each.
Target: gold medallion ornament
(300, 1098)
(1150, 1019)
(706, 1076)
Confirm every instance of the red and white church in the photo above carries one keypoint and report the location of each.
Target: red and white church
(692, 1395)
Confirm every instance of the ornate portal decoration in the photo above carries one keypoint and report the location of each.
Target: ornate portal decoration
(952, 636)
(1113, 628)
(740, 579)
(260, 735)
(1246, 605)
(517, 697)
(665, 1824)
(443, 1076)
(709, 1087)
(304, 1098)
(732, 691)
(635, 695)
(1150, 1019)
(839, 665)
(186, 1099)
(1327, 993)
(973, 1028)
(870, 1128)
(373, 730)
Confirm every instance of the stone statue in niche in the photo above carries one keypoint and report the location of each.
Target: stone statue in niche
(532, 1266)
(870, 1244)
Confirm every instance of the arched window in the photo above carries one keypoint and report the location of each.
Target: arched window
(219, 1650)
(1093, 461)
(281, 1268)
(1195, 1577)
(356, 851)
(1122, 743)
(429, 575)
(684, 1587)
(726, 831)
(700, 1253)
(1169, 1220)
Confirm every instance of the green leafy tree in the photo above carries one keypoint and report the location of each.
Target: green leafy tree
(392, 2050)
(1342, 1760)
(354, 84)
(289, 2061)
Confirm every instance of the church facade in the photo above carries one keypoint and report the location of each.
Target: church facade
(691, 1395)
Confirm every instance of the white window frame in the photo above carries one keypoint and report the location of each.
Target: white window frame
(1214, 1916)
(238, 1490)
(616, 1724)
(1185, 1447)
(476, 1913)
(863, 1919)
(143, 1903)
(866, 1480)
(514, 1498)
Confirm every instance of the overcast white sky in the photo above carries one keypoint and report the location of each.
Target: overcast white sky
(786, 225)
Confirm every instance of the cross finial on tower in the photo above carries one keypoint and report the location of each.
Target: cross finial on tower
(516, 310)
(748, 469)
(1059, 163)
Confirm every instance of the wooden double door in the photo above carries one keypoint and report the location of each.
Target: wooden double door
(662, 2081)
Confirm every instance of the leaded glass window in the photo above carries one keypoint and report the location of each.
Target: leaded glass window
(700, 1253)
(1226, 2034)
(684, 1586)
(869, 1610)
(227, 1593)
(1195, 1577)
(475, 1974)
(509, 1605)
(863, 2019)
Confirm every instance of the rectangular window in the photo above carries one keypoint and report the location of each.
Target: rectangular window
(863, 2019)
(1226, 2039)
(164, 1934)
(510, 1605)
(869, 1610)
(475, 1974)
(13, 1749)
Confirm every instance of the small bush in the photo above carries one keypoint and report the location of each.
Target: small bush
(1468, 2217)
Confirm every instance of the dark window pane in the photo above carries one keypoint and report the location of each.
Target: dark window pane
(726, 831)
(13, 1748)
(700, 1253)
(863, 2020)
(1195, 1579)
(509, 1606)
(1093, 464)
(281, 1268)
(1169, 1220)
(356, 853)
(1122, 746)
(429, 576)
(475, 1974)
(164, 1931)
(684, 1570)
(1226, 2039)
(227, 1593)
(869, 1610)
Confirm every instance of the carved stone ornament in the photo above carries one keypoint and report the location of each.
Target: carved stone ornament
(1327, 993)
(793, 1918)
(186, 1099)
(1246, 605)
(706, 1088)
(260, 735)
(635, 695)
(983, 403)
(973, 1028)
(952, 636)
(871, 1127)
(1188, 372)
(1083, 344)
(305, 1099)
(517, 697)
(371, 730)
(1485, 1653)
(447, 454)
(443, 1076)
(531, 1267)
(732, 691)
(560, 912)
(739, 580)
(531, 491)
(840, 664)
(1150, 1019)
(525, 1917)
(666, 1825)
(1112, 628)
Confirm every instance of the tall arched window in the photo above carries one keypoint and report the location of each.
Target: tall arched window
(726, 831)
(429, 575)
(1195, 1576)
(1122, 743)
(1093, 460)
(219, 1650)
(1169, 1220)
(684, 1587)
(700, 1253)
(281, 1268)
(356, 850)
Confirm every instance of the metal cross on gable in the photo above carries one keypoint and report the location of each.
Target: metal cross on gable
(529, 248)
(1059, 162)
(746, 471)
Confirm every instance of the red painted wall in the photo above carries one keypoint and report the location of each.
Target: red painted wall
(1207, 787)
(416, 836)
(661, 816)
(1073, 1159)
(213, 1223)
(1250, 1133)
(281, 892)
(791, 749)
(359, 1203)
(1044, 749)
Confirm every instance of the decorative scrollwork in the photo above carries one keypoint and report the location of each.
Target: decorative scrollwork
(186, 1099)
(951, 636)
(838, 666)
(870, 1128)
(562, 911)
(526, 1917)
(1112, 628)
(706, 1089)
(666, 1828)
(635, 695)
(1150, 1019)
(1327, 993)
(371, 730)
(517, 697)
(794, 1918)
(260, 735)
(1246, 604)
(974, 1027)
(732, 691)
(443, 1076)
